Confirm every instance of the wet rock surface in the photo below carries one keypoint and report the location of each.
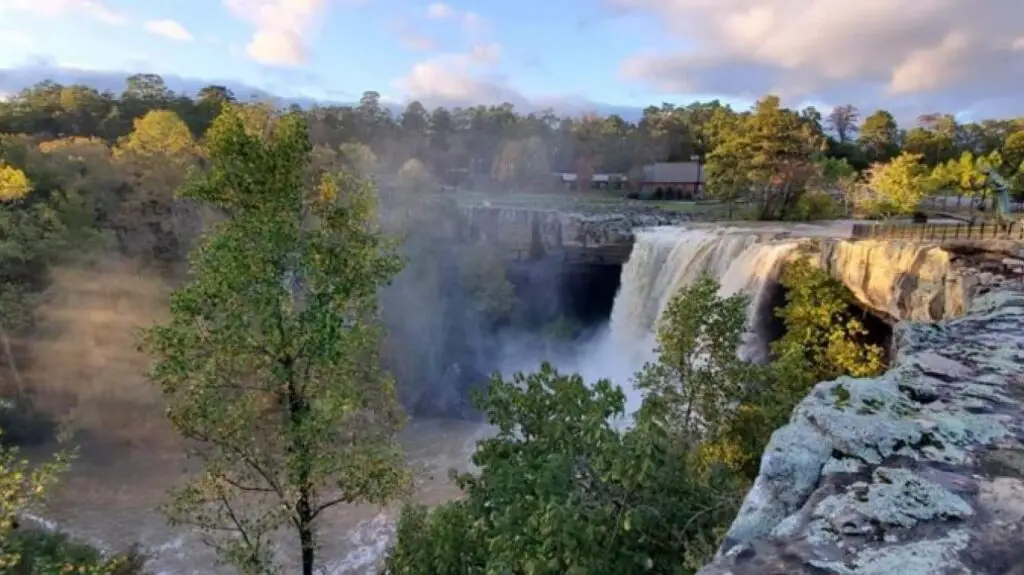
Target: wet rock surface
(918, 471)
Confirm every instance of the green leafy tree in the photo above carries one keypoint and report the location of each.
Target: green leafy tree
(820, 328)
(967, 175)
(562, 490)
(268, 364)
(766, 155)
(896, 188)
(697, 377)
(879, 136)
(21, 486)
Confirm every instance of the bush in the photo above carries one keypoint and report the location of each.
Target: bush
(42, 552)
(813, 206)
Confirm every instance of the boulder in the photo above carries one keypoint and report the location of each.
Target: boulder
(919, 471)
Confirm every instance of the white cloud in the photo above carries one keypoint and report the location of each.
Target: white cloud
(455, 78)
(168, 29)
(936, 52)
(94, 9)
(282, 27)
(440, 11)
(469, 76)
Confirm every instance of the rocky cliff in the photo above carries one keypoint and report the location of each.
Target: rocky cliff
(551, 228)
(918, 471)
(903, 280)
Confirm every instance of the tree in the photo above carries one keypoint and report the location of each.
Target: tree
(843, 121)
(896, 188)
(522, 163)
(359, 159)
(698, 374)
(561, 490)
(821, 329)
(766, 155)
(14, 185)
(268, 365)
(414, 176)
(20, 487)
(155, 159)
(879, 136)
(967, 175)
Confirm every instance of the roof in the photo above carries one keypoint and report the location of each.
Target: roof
(674, 172)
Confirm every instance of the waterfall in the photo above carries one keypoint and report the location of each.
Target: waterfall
(663, 261)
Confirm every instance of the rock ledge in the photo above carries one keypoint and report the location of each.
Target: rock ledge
(918, 471)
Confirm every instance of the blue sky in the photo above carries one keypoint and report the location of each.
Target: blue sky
(560, 50)
(576, 54)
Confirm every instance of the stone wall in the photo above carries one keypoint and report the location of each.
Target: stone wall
(919, 471)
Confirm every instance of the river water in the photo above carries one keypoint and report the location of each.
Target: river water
(111, 495)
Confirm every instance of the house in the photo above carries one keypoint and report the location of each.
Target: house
(671, 181)
(616, 181)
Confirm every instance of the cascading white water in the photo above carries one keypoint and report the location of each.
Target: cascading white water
(663, 261)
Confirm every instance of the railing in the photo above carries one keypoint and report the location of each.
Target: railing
(941, 232)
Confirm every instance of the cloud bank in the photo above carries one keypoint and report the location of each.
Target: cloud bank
(929, 54)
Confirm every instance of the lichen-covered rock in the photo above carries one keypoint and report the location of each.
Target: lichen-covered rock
(917, 472)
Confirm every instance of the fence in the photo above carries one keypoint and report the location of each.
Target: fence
(941, 232)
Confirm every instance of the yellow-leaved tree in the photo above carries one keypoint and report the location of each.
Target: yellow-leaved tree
(896, 188)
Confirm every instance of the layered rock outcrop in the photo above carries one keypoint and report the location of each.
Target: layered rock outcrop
(905, 280)
(918, 471)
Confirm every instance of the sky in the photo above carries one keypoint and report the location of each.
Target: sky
(909, 56)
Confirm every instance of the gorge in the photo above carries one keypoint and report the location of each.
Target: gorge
(617, 305)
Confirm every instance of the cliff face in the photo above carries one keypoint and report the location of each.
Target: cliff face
(551, 229)
(900, 280)
(918, 471)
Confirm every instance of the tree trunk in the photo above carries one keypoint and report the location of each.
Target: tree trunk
(12, 364)
(298, 410)
(304, 511)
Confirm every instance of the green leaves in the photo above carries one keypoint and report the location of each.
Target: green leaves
(820, 330)
(562, 490)
(896, 188)
(269, 362)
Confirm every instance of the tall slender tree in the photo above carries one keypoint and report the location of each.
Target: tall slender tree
(269, 362)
